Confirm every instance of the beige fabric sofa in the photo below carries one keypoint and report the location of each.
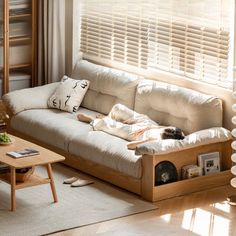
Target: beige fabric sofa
(107, 157)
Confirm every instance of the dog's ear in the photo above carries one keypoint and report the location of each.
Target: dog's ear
(179, 133)
(172, 133)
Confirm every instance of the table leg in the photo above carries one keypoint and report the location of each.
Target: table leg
(49, 170)
(13, 189)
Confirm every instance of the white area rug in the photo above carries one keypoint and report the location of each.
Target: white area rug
(37, 215)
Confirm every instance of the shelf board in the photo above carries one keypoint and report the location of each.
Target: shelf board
(196, 184)
(33, 180)
(19, 39)
(19, 66)
(19, 16)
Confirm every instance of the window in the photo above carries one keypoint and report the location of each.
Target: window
(185, 37)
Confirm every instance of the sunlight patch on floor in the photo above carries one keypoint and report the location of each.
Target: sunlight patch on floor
(205, 223)
(223, 206)
(187, 219)
(166, 217)
(220, 226)
(202, 220)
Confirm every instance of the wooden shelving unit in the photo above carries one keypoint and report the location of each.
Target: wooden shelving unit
(19, 30)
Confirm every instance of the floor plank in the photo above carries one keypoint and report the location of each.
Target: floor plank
(201, 213)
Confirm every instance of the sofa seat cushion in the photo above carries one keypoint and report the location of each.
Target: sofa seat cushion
(107, 150)
(63, 130)
(51, 126)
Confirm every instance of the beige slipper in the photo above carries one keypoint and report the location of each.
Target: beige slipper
(70, 180)
(81, 182)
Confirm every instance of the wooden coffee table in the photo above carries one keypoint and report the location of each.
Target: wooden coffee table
(45, 158)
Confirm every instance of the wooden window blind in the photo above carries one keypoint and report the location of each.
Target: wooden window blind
(186, 37)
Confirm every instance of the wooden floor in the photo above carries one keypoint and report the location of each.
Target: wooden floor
(202, 213)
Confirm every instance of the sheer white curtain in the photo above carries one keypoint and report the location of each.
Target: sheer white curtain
(51, 41)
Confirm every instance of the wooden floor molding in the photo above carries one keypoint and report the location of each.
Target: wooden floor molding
(201, 213)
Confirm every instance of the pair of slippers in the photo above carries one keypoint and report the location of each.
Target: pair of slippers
(76, 182)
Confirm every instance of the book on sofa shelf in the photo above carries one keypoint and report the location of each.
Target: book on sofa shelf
(23, 153)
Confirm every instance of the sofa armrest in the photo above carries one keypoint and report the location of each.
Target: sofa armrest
(29, 98)
(199, 138)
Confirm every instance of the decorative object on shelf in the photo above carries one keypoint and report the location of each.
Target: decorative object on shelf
(209, 162)
(23, 174)
(191, 171)
(165, 172)
(4, 168)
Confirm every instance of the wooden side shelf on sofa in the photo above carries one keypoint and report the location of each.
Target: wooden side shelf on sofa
(179, 159)
(187, 186)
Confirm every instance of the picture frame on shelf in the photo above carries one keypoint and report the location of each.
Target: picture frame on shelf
(209, 162)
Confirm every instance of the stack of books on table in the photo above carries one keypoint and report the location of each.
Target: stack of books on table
(23, 153)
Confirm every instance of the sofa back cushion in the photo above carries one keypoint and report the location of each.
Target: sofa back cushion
(107, 86)
(177, 106)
